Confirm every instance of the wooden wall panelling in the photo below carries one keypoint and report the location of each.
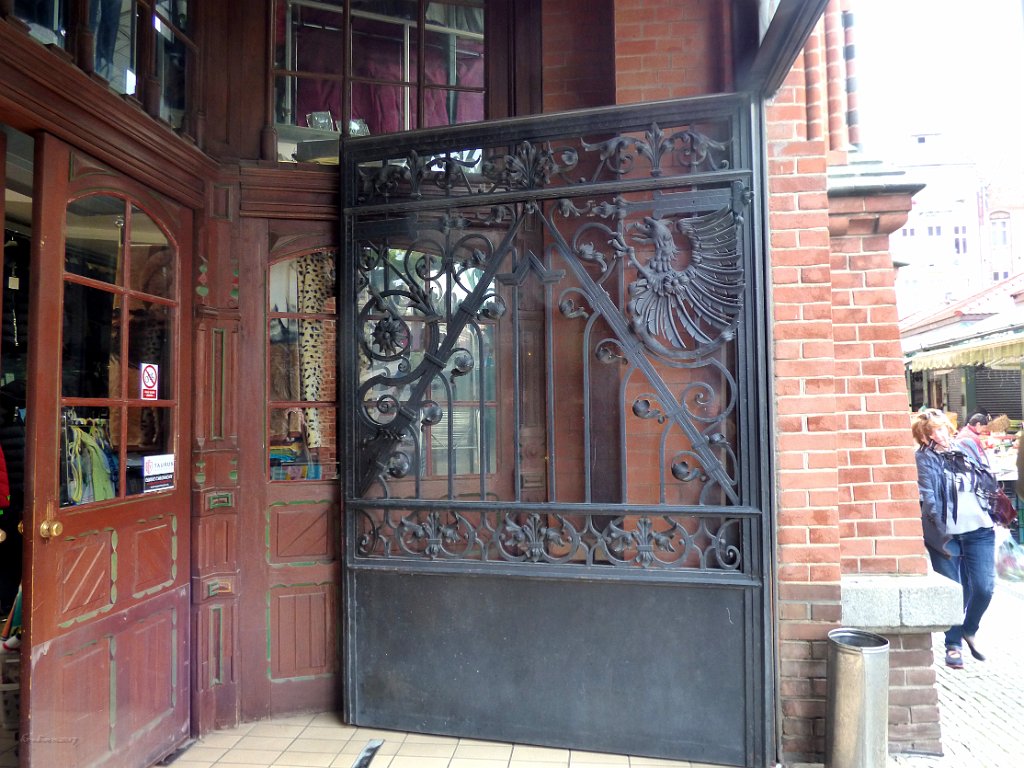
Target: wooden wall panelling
(236, 85)
(216, 579)
(251, 241)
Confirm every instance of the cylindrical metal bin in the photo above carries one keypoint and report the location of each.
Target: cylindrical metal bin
(857, 700)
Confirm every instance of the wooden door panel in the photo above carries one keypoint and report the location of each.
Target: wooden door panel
(303, 638)
(108, 617)
(116, 698)
(85, 569)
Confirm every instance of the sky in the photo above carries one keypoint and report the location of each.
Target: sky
(946, 66)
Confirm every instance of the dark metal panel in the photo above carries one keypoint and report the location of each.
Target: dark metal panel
(616, 667)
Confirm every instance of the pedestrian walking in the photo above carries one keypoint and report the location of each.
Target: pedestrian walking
(959, 535)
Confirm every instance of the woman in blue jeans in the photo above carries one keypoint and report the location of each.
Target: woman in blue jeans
(958, 531)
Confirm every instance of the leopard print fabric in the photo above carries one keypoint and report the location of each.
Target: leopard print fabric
(315, 273)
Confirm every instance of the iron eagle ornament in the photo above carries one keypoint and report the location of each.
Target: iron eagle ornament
(676, 308)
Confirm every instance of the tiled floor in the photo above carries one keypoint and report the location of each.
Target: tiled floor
(321, 741)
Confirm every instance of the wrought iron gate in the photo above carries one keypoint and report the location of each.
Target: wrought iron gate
(556, 485)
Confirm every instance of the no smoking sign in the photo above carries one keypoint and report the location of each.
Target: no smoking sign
(148, 381)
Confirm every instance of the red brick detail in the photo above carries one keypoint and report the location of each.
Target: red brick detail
(845, 472)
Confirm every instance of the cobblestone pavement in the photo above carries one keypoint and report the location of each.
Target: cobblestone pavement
(982, 705)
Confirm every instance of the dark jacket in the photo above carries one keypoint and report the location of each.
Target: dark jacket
(937, 492)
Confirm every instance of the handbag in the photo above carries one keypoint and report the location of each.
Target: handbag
(1002, 510)
(986, 487)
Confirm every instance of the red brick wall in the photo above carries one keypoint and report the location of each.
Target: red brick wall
(847, 492)
(579, 65)
(807, 438)
(603, 52)
(667, 49)
(880, 527)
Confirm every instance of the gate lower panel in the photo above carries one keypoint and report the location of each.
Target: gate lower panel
(609, 666)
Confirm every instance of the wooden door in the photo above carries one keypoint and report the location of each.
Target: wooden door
(106, 662)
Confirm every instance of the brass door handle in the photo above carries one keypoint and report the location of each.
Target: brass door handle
(50, 528)
(21, 527)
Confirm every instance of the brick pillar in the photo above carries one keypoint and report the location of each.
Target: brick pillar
(807, 522)
(847, 521)
(879, 518)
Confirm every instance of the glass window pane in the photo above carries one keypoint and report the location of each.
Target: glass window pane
(317, 40)
(112, 23)
(383, 50)
(152, 259)
(284, 287)
(176, 12)
(465, 17)
(46, 19)
(150, 462)
(309, 102)
(469, 447)
(382, 108)
(173, 58)
(92, 343)
(444, 107)
(303, 444)
(302, 359)
(396, 8)
(95, 238)
(89, 468)
(453, 60)
(303, 285)
(150, 342)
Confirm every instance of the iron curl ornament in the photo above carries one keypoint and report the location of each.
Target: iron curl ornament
(675, 541)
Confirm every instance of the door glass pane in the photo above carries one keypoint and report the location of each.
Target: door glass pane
(94, 246)
(303, 444)
(149, 450)
(89, 469)
(152, 262)
(302, 341)
(149, 350)
(112, 23)
(91, 342)
(302, 359)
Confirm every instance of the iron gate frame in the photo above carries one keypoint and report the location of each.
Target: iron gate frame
(394, 189)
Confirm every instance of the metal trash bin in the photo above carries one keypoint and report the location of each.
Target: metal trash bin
(857, 700)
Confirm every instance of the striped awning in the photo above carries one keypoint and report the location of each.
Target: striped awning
(1005, 352)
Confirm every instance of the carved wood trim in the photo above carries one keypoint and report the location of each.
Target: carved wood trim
(304, 192)
(43, 89)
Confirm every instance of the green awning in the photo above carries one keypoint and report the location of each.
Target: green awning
(1005, 352)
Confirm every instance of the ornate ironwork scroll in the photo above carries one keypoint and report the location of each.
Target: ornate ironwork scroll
(636, 245)
(655, 541)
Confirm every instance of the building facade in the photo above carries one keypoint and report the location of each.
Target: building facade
(438, 422)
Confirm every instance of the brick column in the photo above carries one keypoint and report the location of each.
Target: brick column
(879, 518)
(807, 522)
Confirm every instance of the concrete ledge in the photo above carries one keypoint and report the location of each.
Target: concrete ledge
(897, 604)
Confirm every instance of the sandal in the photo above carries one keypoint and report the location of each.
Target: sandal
(969, 639)
(954, 659)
